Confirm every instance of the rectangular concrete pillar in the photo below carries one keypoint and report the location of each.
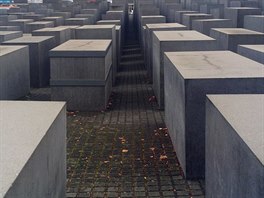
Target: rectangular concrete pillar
(39, 47)
(9, 35)
(254, 22)
(234, 146)
(230, 38)
(169, 41)
(81, 74)
(33, 149)
(187, 19)
(14, 75)
(254, 52)
(190, 76)
(30, 27)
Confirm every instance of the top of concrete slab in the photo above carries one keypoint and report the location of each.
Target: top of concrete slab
(82, 48)
(29, 39)
(40, 22)
(96, 27)
(197, 14)
(237, 31)
(259, 48)
(9, 49)
(181, 35)
(8, 32)
(255, 16)
(21, 135)
(53, 29)
(165, 25)
(214, 65)
(53, 17)
(76, 19)
(245, 114)
(22, 20)
(152, 16)
(242, 8)
(212, 20)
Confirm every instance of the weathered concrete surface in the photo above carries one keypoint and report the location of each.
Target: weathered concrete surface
(205, 25)
(237, 14)
(39, 47)
(65, 15)
(35, 17)
(254, 22)
(72, 29)
(234, 146)
(81, 74)
(6, 18)
(169, 41)
(33, 149)
(108, 22)
(61, 33)
(8, 35)
(189, 77)
(230, 38)
(14, 75)
(149, 40)
(254, 52)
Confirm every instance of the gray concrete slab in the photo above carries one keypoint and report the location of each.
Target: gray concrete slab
(168, 41)
(33, 149)
(187, 19)
(9, 35)
(189, 77)
(35, 17)
(58, 21)
(78, 21)
(237, 14)
(61, 33)
(14, 75)
(9, 28)
(72, 28)
(65, 15)
(91, 17)
(21, 23)
(254, 22)
(149, 39)
(230, 38)
(6, 18)
(108, 22)
(254, 52)
(100, 32)
(179, 14)
(205, 25)
(30, 27)
(81, 74)
(39, 47)
(234, 146)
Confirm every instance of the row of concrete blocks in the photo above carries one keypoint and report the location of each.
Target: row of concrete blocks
(197, 74)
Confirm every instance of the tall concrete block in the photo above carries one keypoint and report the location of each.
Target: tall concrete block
(169, 41)
(35, 164)
(254, 52)
(30, 27)
(234, 146)
(58, 21)
(78, 21)
(109, 22)
(230, 38)
(61, 33)
(6, 18)
(237, 14)
(72, 29)
(14, 75)
(149, 38)
(179, 14)
(35, 17)
(81, 74)
(21, 23)
(190, 76)
(100, 32)
(205, 25)
(187, 19)
(254, 22)
(39, 47)
(65, 15)
(9, 28)
(9, 35)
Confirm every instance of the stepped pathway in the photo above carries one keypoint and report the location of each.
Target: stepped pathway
(124, 151)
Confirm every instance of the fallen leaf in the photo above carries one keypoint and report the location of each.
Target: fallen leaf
(163, 157)
(124, 151)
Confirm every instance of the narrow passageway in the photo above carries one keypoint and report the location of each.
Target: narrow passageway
(124, 151)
